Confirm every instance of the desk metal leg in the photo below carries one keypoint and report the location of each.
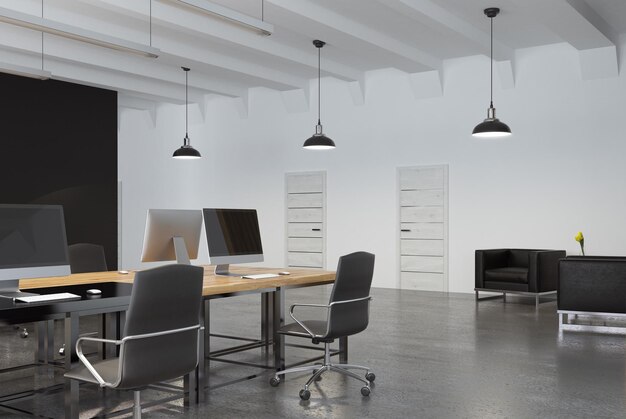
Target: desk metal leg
(206, 310)
(343, 349)
(278, 319)
(266, 322)
(110, 330)
(71, 386)
(44, 334)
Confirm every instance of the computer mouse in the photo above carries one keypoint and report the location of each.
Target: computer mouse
(122, 272)
(284, 273)
(94, 291)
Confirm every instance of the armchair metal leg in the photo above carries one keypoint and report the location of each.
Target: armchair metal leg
(137, 405)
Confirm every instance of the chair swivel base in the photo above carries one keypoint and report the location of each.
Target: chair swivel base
(318, 370)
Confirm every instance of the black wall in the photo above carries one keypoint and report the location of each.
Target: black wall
(59, 146)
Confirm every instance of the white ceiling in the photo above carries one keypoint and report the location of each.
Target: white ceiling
(414, 36)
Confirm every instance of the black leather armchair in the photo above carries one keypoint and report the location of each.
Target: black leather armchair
(530, 272)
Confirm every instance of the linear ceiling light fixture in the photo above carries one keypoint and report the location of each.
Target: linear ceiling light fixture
(186, 151)
(491, 127)
(319, 141)
(231, 15)
(18, 70)
(72, 32)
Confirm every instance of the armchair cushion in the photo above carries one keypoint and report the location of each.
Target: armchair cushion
(519, 258)
(511, 274)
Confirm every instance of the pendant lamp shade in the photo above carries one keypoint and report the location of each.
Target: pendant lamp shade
(491, 127)
(186, 151)
(319, 141)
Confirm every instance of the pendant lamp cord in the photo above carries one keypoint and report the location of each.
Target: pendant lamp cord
(186, 104)
(150, 2)
(42, 38)
(262, 10)
(319, 84)
(491, 58)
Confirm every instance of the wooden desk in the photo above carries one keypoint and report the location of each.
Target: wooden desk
(213, 284)
(272, 290)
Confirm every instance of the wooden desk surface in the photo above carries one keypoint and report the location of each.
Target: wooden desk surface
(213, 284)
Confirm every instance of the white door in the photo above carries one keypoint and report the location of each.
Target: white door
(423, 227)
(305, 200)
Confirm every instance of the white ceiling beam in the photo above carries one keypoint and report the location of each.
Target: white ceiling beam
(432, 14)
(232, 15)
(183, 19)
(332, 20)
(37, 23)
(69, 51)
(143, 87)
(580, 26)
(429, 13)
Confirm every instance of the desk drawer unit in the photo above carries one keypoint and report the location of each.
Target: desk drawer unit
(305, 200)
(423, 227)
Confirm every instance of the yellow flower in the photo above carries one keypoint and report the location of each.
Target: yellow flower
(579, 237)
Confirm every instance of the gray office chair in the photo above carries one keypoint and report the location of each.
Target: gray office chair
(161, 336)
(347, 314)
(87, 257)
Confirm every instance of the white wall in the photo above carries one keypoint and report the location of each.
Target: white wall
(562, 171)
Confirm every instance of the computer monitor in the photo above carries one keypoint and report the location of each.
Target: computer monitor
(172, 235)
(33, 244)
(233, 236)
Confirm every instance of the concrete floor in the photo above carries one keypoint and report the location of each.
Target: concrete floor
(435, 355)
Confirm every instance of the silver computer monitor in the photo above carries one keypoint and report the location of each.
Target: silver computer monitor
(172, 235)
(33, 244)
(233, 236)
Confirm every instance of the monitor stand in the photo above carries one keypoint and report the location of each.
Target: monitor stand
(180, 249)
(11, 289)
(223, 270)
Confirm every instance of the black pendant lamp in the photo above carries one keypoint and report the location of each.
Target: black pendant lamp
(186, 151)
(319, 141)
(491, 127)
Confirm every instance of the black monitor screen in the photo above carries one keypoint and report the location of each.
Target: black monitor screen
(232, 232)
(32, 236)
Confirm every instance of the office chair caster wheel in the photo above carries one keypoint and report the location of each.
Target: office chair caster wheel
(274, 381)
(24, 334)
(305, 394)
(370, 376)
(365, 391)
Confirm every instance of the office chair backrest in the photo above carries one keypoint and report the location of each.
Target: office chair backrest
(162, 299)
(87, 257)
(352, 281)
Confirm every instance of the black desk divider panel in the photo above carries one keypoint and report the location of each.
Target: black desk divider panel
(59, 146)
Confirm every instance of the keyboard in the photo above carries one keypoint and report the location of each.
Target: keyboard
(44, 298)
(260, 276)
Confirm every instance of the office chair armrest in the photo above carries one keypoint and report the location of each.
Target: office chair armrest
(368, 298)
(293, 306)
(85, 361)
